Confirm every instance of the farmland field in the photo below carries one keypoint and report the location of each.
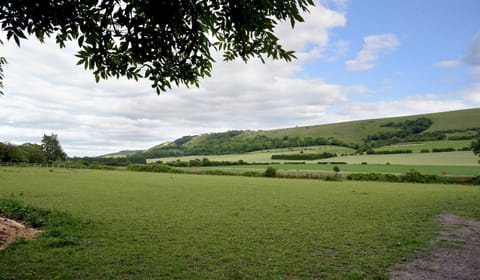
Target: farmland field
(150, 225)
(427, 145)
(261, 156)
(352, 168)
(466, 158)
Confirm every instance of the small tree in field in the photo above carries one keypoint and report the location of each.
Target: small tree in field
(336, 169)
(271, 172)
(52, 149)
(476, 146)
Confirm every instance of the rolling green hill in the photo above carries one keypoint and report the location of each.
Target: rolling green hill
(360, 135)
(121, 153)
(355, 131)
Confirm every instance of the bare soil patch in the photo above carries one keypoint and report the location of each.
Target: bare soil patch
(453, 254)
(11, 230)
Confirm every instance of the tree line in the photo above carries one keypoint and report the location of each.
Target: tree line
(49, 151)
(231, 142)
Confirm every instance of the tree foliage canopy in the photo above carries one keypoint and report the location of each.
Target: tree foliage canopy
(163, 41)
(52, 149)
(476, 146)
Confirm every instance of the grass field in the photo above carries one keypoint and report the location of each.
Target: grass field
(172, 226)
(261, 156)
(354, 168)
(466, 158)
(428, 145)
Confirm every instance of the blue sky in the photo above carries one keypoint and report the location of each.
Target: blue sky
(356, 60)
(428, 32)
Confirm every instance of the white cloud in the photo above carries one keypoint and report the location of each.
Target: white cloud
(473, 54)
(471, 94)
(373, 46)
(471, 58)
(448, 63)
(340, 5)
(340, 50)
(313, 32)
(410, 105)
(475, 71)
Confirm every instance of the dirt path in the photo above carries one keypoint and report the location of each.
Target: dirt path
(454, 254)
(11, 230)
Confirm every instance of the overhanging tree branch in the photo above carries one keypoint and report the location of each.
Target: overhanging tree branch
(167, 42)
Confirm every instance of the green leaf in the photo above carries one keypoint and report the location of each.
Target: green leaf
(17, 40)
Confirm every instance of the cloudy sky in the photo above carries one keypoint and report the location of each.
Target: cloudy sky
(356, 60)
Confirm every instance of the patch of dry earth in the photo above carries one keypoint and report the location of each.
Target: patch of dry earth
(454, 254)
(11, 230)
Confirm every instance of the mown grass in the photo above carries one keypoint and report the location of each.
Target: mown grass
(417, 147)
(171, 226)
(261, 156)
(381, 168)
(464, 158)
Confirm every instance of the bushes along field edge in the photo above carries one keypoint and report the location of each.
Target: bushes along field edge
(412, 176)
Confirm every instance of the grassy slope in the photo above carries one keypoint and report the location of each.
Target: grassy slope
(417, 147)
(455, 120)
(355, 131)
(166, 226)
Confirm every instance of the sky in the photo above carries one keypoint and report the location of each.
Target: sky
(355, 60)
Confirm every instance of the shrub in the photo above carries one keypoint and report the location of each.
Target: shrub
(388, 152)
(302, 156)
(271, 172)
(217, 172)
(440, 150)
(153, 168)
(250, 174)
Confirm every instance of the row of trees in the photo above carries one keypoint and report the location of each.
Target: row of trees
(49, 151)
(476, 146)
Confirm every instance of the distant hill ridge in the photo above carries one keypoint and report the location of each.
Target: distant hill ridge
(121, 153)
(360, 135)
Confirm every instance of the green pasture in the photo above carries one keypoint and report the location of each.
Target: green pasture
(417, 147)
(175, 226)
(354, 168)
(261, 156)
(464, 158)
(462, 119)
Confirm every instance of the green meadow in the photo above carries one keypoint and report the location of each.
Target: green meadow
(135, 225)
(262, 155)
(417, 147)
(464, 158)
(352, 168)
